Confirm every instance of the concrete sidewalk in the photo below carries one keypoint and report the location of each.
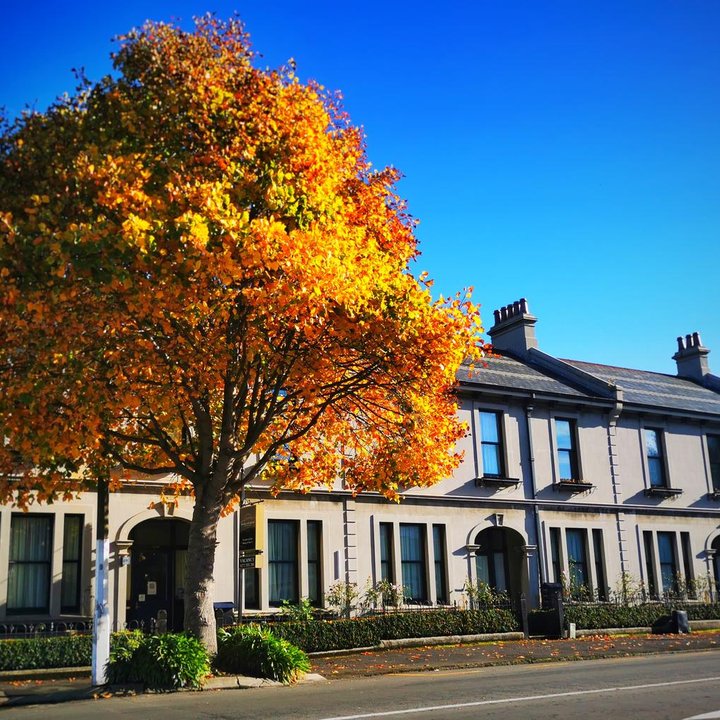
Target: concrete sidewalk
(62, 685)
(444, 657)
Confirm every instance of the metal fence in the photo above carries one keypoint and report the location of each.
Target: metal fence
(226, 617)
(53, 628)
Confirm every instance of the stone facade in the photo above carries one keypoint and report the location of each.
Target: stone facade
(573, 472)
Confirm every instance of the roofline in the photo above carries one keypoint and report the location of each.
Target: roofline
(471, 389)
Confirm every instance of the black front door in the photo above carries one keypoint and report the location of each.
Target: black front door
(491, 560)
(157, 574)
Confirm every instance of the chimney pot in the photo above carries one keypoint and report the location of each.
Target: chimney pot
(691, 357)
(514, 328)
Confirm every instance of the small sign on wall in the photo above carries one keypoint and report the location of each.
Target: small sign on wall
(152, 587)
(246, 562)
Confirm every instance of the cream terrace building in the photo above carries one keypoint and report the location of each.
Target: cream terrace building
(571, 470)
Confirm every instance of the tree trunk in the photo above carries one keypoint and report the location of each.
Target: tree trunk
(199, 578)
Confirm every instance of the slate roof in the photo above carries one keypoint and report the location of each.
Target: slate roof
(642, 387)
(506, 372)
(639, 387)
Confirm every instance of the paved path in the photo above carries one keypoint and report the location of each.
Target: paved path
(379, 662)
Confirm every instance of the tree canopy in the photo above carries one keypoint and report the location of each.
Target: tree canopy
(203, 276)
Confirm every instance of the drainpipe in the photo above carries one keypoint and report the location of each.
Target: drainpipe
(538, 525)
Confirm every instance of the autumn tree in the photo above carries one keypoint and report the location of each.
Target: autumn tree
(203, 277)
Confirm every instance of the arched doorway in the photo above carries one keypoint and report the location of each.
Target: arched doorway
(499, 560)
(157, 572)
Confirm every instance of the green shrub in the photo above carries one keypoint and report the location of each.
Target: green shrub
(159, 662)
(342, 596)
(323, 635)
(482, 595)
(123, 645)
(369, 631)
(593, 616)
(297, 611)
(438, 623)
(46, 652)
(701, 611)
(256, 651)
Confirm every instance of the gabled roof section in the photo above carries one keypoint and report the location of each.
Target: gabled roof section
(569, 373)
(507, 372)
(656, 390)
(521, 366)
(575, 379)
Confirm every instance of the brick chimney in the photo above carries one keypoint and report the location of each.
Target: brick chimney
(691, 358)
(514, 329)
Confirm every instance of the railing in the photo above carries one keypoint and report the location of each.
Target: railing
(226, 617)
(407, 608)
(628, 591)
(641, 598)
(52, 628)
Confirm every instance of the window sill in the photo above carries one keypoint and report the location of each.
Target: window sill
(664, 492)
(573, 486)
(496, 482)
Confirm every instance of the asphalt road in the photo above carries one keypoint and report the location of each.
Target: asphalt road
(671, 686)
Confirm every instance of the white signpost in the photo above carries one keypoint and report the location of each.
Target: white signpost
(101, 618)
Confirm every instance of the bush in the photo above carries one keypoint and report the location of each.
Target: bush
(482, 595)
(318, 636)
(342, 596)
(438, 623)
(123, 646)
(701, 611)
(166, 661)
(46, 652)
(159, 662)
(596, 616)
(369, 631)
(382, 595)
(258, 652)
(301, 611)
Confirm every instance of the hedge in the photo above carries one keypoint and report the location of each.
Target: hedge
(320, 636)
(311, 636)
(49, 652)
(594, 617)
(317, 636)
(323, 635)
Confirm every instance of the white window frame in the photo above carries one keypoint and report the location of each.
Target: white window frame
(575, 420)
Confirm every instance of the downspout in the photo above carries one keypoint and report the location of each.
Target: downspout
(536, 511)
(615, 475)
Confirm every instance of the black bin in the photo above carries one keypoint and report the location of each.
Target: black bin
(679, 622)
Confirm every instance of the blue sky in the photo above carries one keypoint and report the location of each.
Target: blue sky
(567, 152)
